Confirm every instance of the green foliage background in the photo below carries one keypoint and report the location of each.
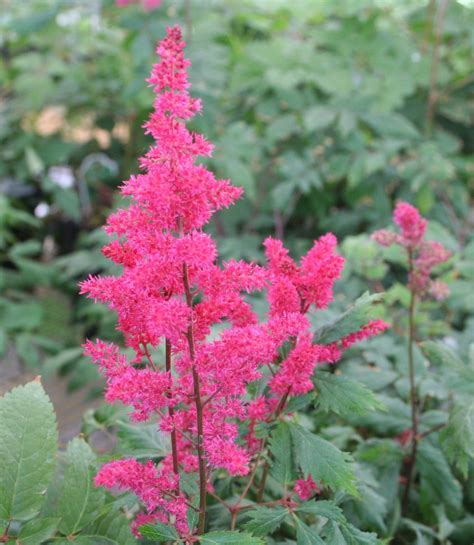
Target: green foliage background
(326, 112)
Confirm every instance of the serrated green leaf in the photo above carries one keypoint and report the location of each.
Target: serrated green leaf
(159, 532)
(354, 536)
(141, 441)
(458, 437)
(349, 322)
(396, 419)
(230, 538)
(333, 534)
(280, 446)
(265, 520)
(38, 530)
(343, 395)
(80, 501)
(112, 527)
(440, 354)
(28, 439)
(325, 462)
(306, 535)
(438, 484)
(322, 508)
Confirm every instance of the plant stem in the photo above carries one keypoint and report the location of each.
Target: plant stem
(174, 444)
(431, 430)
(413, 396)
(199, 406)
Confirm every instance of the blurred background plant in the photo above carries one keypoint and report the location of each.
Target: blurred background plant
(325, 112)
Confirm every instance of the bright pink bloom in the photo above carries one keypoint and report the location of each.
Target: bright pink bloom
(306, 488)
(423, 255)
(295, 288)
(374, 327)
(411, 224)
(158, 491)
(172, 288)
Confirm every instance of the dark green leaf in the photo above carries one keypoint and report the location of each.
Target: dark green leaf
(458, 437)
(280, 446)
(325, 462)
(80, 500)
(306, 535)
(159, 532)
(322, 508)
(265, 520)
(38, 530)
(343, 395)
(438, 484)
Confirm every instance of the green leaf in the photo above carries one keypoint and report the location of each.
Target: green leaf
(323, 508)
(325, 462)
(318, 117)
(354, 536)
(28, 438)
(280, 447)
(438, 484)
(159, 532)
(333, 534)
(229, 538)
(141, 441)
(80, 500)
(441, 355)
(306, 535)
(343, 395)
(391, 124)
(265, 520)
(458, 437)
(112, 527)
(37, 531)
(349, 322)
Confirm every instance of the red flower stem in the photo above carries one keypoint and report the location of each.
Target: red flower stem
(174, 444)
(148, 357)
(212, 396)
(413, 396)
(197, 400)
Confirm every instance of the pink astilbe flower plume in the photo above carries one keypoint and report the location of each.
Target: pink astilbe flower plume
(172, 291)
(423, 255)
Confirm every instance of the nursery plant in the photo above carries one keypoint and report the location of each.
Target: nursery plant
(224, 397)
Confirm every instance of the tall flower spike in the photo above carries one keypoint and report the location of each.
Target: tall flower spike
(173, 291)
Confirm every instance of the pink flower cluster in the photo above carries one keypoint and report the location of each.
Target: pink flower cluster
(306, 488)
(172, 291)
(423, 255)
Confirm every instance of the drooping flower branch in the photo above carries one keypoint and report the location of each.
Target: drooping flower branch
(172, 291)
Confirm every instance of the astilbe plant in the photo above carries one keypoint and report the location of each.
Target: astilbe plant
(172, 291)
(422, 256)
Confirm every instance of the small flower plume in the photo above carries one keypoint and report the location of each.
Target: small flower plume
(172, 291)
(423, 255)
(306, 488)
